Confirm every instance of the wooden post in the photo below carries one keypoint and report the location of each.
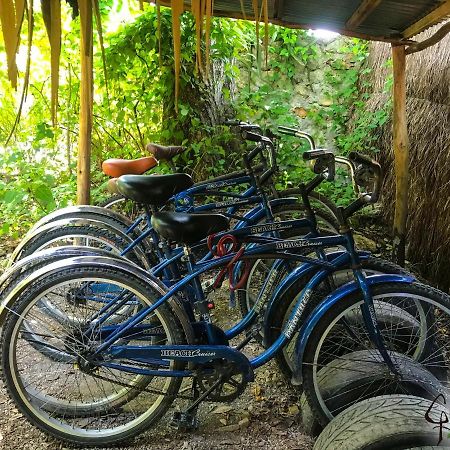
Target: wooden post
(401, 153)
(86, 104)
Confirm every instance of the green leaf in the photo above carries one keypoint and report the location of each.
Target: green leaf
(43, 194)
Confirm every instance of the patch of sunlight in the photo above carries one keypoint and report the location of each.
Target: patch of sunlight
(120, 14)
(323, 35)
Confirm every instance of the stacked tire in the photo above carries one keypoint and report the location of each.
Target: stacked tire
(389, 422)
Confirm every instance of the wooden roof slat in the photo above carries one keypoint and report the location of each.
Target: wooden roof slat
(434, 17)
(362, 12)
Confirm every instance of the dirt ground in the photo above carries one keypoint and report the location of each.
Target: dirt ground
(266, 416)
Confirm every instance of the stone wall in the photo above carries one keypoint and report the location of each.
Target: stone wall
(309, 91)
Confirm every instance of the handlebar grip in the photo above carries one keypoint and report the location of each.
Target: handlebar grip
(249, 127)
(324, 161)
(250, 136)
(315, 154)
(232, 123)
(357, 158)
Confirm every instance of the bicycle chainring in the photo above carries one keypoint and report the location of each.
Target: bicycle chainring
(231, 387)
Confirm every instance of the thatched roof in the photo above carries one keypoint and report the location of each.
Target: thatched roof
(428, 114)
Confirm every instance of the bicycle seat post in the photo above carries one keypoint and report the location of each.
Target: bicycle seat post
(201, 304)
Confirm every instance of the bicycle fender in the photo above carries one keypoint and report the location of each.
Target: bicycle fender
(343, 291)
(71, 211)
(297, 273)
(101, 262)
(79, 222)
(51, 255)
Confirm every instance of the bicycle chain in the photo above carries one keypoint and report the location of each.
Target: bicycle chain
(150, 391)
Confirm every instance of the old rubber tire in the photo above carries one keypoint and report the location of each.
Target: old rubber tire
(389, 422)
(341, 385)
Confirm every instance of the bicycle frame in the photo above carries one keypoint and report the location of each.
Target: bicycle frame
(159, 355)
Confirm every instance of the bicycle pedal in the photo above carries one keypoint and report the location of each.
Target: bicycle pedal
(183, 421)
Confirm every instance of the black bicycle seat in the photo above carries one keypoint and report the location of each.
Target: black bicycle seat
(153, 189)
(188, 228)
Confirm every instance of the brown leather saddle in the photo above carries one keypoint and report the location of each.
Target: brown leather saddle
(164, 153)
(117, 167)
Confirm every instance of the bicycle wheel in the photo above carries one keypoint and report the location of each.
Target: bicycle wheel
(423, 337)
(122, 205)
(319, 201)
(67, 399)
(28, 266)
(111, 201)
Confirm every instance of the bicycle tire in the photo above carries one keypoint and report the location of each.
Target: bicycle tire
(38, 415)
(422, 347)
(98, 234)
(111, 200)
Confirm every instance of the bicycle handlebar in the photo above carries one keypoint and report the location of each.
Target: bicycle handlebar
(298, 133)
(263, 142)
(250, 136)
(325, 162)
(368, 162)
(242, 125)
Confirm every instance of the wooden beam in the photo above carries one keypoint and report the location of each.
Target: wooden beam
(86, 103)
(432, 40)
(364, 10)
(435, 16)
(401, 153)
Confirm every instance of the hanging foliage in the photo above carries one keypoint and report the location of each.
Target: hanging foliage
(51, 13)
(203, 10)
(30, 17)
(11, 18)
(266, 29)
(208, 13)
(177, 10)
(197, 11)
(12, 12)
